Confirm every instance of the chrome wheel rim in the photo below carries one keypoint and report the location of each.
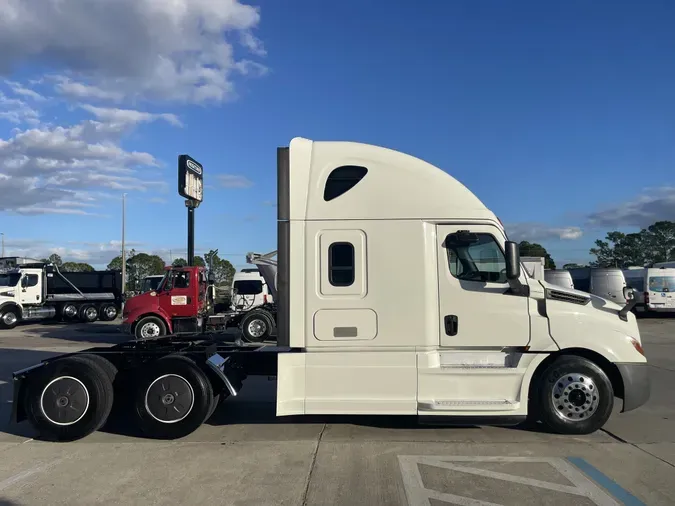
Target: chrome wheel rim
(169, 399)
(111, 312)
(9, 318)
(150, 329)
(256, 328)
(64, 401)
(70, 311)
(575, 397)
(90, 313)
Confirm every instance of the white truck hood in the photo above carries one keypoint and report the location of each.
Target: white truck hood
(579, 319)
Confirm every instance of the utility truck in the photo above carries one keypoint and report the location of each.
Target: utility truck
(480, 342)
(34, 290)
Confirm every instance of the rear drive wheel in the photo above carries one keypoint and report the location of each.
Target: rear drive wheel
(108, 312)
(173, 398)
(257, 326)
(575, 396)
(150, 327)
(88, 313)
(69, 311)
(9, 318)
(71, 398)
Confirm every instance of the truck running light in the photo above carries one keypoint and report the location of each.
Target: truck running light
(637, 345)
(265, 298)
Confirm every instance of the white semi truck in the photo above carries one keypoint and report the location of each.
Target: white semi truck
(31, 290)
(479, 342)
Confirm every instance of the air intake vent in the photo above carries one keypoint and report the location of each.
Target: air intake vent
(567, 297)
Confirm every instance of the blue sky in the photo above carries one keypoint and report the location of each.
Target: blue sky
(559, 117)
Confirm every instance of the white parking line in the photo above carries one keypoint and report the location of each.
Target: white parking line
(419, 495)
(19, 477)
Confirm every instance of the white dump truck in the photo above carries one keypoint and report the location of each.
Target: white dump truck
(478, 342)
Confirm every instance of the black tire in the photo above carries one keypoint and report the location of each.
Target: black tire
(88, 313)
(160, 385)
(146, 325)
(9, 318)
(106, 365)
(257, 326)
(574, 396)
(108, 312)
(85, 383)
(70, 312)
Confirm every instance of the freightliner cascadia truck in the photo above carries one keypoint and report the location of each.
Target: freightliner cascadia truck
(480, 342)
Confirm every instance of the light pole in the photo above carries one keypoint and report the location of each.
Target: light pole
(3, 243)
(124, 256)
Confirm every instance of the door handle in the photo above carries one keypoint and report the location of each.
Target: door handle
(451, 324)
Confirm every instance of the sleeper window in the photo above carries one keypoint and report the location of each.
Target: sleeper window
(341, 264)
(343, 179)
(482, 261)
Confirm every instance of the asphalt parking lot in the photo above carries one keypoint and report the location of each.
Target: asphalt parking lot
(245, 456)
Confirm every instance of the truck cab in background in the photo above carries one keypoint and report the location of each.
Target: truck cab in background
(178, 305)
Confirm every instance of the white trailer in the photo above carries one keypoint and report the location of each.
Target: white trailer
(478, 342)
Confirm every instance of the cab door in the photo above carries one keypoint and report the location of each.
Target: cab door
(476, 307)
(178, 297)
(31, 289)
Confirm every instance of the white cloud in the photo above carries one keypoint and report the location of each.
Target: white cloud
(76, 90)
(539, 231)
(653, 204)
(129, 116)
(17, 111)
(233, 181)
(19, 89)
(158, 50)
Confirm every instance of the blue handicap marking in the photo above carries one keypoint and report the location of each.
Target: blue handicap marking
(607, 483)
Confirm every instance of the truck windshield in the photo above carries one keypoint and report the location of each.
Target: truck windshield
(662, 283)
(150, 284)
(10, 279)
(248, 287)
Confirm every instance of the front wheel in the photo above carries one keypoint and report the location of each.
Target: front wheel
(9, 319)
(575, 396)
(150, 327)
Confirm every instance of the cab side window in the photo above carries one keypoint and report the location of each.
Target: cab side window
(181, 279)
(30, 280)
(482, 260)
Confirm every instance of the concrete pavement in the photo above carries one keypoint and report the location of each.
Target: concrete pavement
(245, 455)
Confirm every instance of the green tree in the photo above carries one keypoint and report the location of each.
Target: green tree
(222, 269)
(532, 249)
(656, 243)
(181, 262)
(54, 259)
(573, 266)
(76, 267)
(141, 265)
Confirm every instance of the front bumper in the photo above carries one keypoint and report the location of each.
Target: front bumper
(636, 385)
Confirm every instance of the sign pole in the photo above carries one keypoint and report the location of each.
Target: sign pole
(190, 233)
